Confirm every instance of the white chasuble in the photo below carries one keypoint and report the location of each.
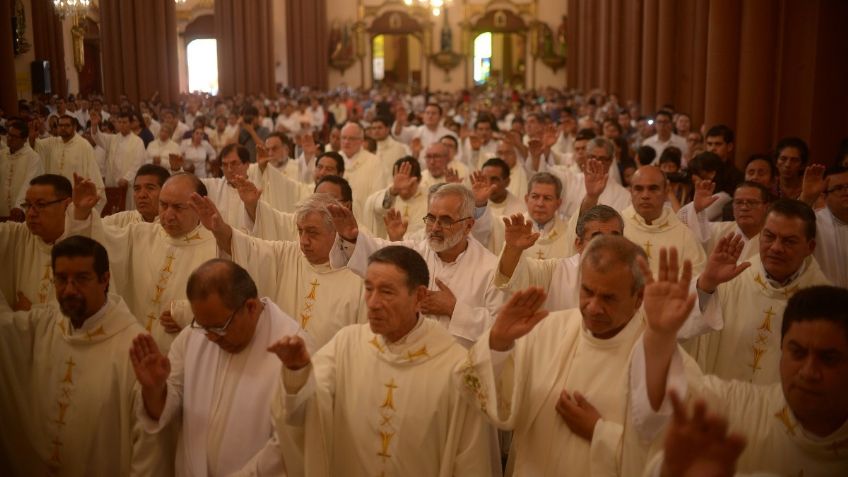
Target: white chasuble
(666, 231)
(26, 261)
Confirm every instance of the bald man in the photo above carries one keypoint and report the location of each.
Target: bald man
(651, 225)
(363, 170)
(151, 262)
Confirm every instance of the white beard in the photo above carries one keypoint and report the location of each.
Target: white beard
(448, 242)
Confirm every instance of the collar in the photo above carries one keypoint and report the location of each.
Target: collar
(91, 322)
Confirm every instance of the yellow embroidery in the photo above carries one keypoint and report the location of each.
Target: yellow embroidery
(55, 458)
(66, 393)
(151, 317)
(98, 332)
(304, 319)
(157, 296)
(63, 407)
(473, 384)
(377, 345)
(69, 373)
(759, 280)
(389, 402)
(307, 306)
(188, 239)
(647, 246)
(766, 324)
(758, 355)
(783, 416)
(386, 420)
(314, 284)
(540, 254)
(386, 440)
(169, 260)
(421, 353)
(789, 291)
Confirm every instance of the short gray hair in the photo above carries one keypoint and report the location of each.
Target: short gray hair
(316, 204)
(545, 178)
(603, 142)
(598, 213)
(466, 208)
(604, 252)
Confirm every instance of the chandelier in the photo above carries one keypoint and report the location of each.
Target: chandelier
(71, 8)
(435, 6)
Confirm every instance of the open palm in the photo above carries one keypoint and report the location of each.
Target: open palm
(518, 232)
(517, 317)
(151, 367)
(667, 301)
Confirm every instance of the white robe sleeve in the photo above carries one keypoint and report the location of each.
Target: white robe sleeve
(174, 400)
(648, 421)
(272, 224)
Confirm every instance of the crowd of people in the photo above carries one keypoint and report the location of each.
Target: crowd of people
(389, 283)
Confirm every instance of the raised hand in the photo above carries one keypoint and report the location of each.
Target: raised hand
(700, 444)
(168, 323)
(814, 183)
(517, 317)
(207, 213)
(344, 221)
(595, 177)
(396, 227)
(579, 415)
(666, 299)
(721, 265)
(439, 302)
(518, 232)
(150, 365)
(703, 197)
(22, 303)
(84, 196)
(550, 136)
(415, 146)
(481, 189)
(292, 352)
(403, 180)
(263, 156)
(248, 193)
(452, 176)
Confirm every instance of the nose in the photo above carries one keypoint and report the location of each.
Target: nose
(594, 306)
(810, 370)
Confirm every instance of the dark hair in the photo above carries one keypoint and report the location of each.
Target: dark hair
(435, 106)
(20, 125)
(710, 161)
(598, 213)
(721, 130)
(153, 170)
(128, 115)
(79, 246)
(545, 178)
(645, 155)
(763, 157)
(671, 154)
(450, 138)
(384, 120)
(224, 278)
(821, 302)
(765, 194)
(199, 186)
(836, 169)
(664, 112)
(796, 209)
(795, 142)
(61, 185)
(347, 192)
(283, 139)
(243, 153)
(614, 124)
(416, 166)
(498, 162)
(340, 165)
(490, 120)
(249, 110)
(585, 134)
(407, 260)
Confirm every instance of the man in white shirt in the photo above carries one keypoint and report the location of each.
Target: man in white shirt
(363, 170)
(378, 399)
(832, 227)
(502, 202)
(665, 136)
(162, 151)
(124, 155)
(432, 130)
(19, 165)
(218, 378)
(388, 150)
(405, 196)
(480, 145)
(68, 404)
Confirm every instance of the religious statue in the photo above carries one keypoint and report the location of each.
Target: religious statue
(447, 36)
(342, 53)
(562, 37)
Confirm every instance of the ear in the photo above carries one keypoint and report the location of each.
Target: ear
(640, 295)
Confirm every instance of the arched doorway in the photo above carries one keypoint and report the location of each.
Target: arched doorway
(91, 76)
(201, 55)
(499, 46)
(397, 49)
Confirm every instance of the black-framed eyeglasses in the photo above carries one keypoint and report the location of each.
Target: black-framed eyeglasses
(444, 222)
(39, 206)
(216, 330)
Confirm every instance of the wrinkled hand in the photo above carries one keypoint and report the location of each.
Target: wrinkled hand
(814, 183)
(22, 303)
(440, 302)
(481, 189)
(518, 232)
(579, 415)
(595, 177)
(396, 227)
(704, 197)
(168, 322)
(344, 221)
(700, 444)
(666, 299)
(85, 194)
(292, 352)
(721, 265)
(207, 213)
(150, 365)
(517, 317)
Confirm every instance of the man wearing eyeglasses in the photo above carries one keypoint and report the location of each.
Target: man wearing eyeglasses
(25, 248)
(831, 221)
(363, 170)
(19, 165)
(576, 190)
(748, 298)
(461, 295)
(150, 261)
(218, 378)
(404, 197)
(68, 404)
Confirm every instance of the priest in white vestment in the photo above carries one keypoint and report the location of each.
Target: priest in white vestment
(67, 405)
(388, 150)
(650, 225)
(750, 299)
(218, 378)
(297, 274)
(439, 165)
(151, 262)
(432, 130)
(147, 184)
(574, 182)
(223, 191)
(124, 154)
(69, 154)
(558, 277)
(832, 229)
(25, 248)
(405, 195)
(561, 385)
(19, 164)
(502, 202)
(281, 187)
(378, 398)
(162, 148)
(461, 295)
(363, 170)
(795, 426)
(517, 174)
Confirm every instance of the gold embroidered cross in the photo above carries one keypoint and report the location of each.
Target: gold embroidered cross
(157, 297)
(385, 441)
(389, 402)
(63, 407)
(304, 319)
(413, 355)
(647, 246)
(783, 416)
(69, 373)
(540, 254)
(169, 260)
(758, 355)
(377, 344)
(188, 239)
(314, 284)
(766, 324)
(759, 280)
(151, 317)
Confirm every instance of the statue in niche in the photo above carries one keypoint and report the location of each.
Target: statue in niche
(562, 37)
(20, 45)
(447, 36)
(342, 49)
